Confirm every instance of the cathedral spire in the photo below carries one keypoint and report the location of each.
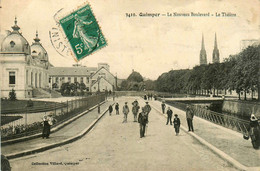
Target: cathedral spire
(203, 54)
(215, 45)
(215, 54)
(202, 42)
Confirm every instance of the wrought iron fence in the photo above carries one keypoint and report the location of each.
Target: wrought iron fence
(32, 123)
(224, 120)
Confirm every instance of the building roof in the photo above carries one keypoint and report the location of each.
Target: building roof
(105, 69)
(98, 80)
(71, 71)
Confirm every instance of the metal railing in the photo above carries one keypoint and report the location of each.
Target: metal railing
(225, 120)
(221, 119)
(32, 123)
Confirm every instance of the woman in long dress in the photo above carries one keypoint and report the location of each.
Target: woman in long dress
(46, 128)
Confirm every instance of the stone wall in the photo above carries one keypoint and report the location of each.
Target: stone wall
(242, 108)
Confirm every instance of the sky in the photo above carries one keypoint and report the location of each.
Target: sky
(149, 45)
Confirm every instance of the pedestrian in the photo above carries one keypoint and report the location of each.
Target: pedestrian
(163, 107)
(110, 108)
(125, 111)
(177, 124)
(135, 109)
(98, 108)
(254, 131)
(142, 120)
(169, 116)
(145, 97)
(189, 117)
(46, 127)
(117, 108)
(147, 109)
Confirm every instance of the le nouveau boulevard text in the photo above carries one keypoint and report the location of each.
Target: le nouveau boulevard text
(180, 14)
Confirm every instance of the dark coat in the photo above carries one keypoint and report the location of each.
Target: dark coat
(110, 109)
(169, 112)
(176, 122)
(163, 105)
(117, 106)
(142, 118)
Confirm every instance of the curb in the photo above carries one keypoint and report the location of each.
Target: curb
(55, 129)
(220, 153)
(53, 145)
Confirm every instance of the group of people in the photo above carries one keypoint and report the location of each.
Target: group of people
(176, 121)
(142, 118)
(149, 96)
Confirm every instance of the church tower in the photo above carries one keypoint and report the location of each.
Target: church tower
(215, 55)
(203, 54)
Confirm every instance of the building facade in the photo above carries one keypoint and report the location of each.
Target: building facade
(90, 76)
(24, 68)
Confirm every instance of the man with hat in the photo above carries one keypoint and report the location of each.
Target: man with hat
(135, 109)
(125, 112)
(163, 107)
(142, 120)
(189, 117)
(169, 116)
(147, 109)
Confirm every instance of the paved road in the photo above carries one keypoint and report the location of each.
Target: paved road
(113, 145)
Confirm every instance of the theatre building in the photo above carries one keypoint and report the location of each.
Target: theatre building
(23, 67)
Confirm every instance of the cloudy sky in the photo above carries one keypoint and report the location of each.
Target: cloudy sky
(148, 45)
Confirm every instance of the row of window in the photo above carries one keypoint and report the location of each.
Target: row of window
(12, 78)
(57, 79)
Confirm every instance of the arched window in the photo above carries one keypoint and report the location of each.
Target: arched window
(12, 44)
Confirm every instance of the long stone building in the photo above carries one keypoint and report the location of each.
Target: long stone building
(95, 79)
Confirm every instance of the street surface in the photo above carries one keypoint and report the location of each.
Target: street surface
(113, 145)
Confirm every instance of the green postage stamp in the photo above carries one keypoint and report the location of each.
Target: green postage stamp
(83, 32)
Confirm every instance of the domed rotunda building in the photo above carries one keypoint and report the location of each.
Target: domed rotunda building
(24, 68)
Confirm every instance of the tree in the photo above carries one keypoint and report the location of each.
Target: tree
(135, 77)
(12, 95)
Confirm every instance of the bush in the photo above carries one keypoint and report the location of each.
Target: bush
(12, 95)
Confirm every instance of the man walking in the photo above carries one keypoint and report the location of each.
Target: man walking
(163, 107)
(142, 120)
(117, 108)
(135, 109)
(169, 116)
(147, 109)
(189, 117)
(125, 111)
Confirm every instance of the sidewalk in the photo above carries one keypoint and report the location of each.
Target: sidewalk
(226, 140)
(69, 131)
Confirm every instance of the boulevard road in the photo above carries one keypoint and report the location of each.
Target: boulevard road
(113, 145)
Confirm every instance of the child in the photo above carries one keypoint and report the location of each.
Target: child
(177, 124)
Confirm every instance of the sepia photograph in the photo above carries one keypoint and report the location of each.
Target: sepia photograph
(130, 85)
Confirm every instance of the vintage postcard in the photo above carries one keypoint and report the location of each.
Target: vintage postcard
(130, 85)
